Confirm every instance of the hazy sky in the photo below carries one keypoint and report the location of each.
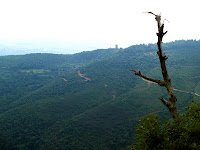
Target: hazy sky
(98, 23)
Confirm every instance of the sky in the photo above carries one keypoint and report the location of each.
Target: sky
(95, 24)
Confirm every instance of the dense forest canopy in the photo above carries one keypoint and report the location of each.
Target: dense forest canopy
(48, 102)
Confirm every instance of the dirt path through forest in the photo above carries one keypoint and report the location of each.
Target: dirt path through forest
(83, 76)
(149, 82)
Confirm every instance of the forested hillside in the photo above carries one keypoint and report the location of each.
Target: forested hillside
(89, 100)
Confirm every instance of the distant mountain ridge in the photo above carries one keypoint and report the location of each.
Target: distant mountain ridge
(22, 47)
(48, 102)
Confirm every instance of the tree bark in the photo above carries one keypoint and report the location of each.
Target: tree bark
(171, 103)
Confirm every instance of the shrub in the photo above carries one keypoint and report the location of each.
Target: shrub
(182, 133)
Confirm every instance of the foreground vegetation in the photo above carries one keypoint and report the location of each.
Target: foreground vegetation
(182, 133)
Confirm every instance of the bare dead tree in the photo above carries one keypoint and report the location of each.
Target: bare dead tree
(171, 103)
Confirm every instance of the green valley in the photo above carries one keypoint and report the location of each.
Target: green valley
(89, 100)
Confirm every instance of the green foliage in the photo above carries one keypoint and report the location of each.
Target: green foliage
(183, 133)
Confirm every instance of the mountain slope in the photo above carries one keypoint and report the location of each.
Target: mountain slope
(60, 108)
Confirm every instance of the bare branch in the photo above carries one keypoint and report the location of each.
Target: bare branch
(159, 82)
(150, 13)
(171, 104)
(165, 102)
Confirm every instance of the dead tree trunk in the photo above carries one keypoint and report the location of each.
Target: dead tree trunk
(171, 103)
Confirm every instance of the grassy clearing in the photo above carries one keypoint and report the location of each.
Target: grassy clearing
(36, 71)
